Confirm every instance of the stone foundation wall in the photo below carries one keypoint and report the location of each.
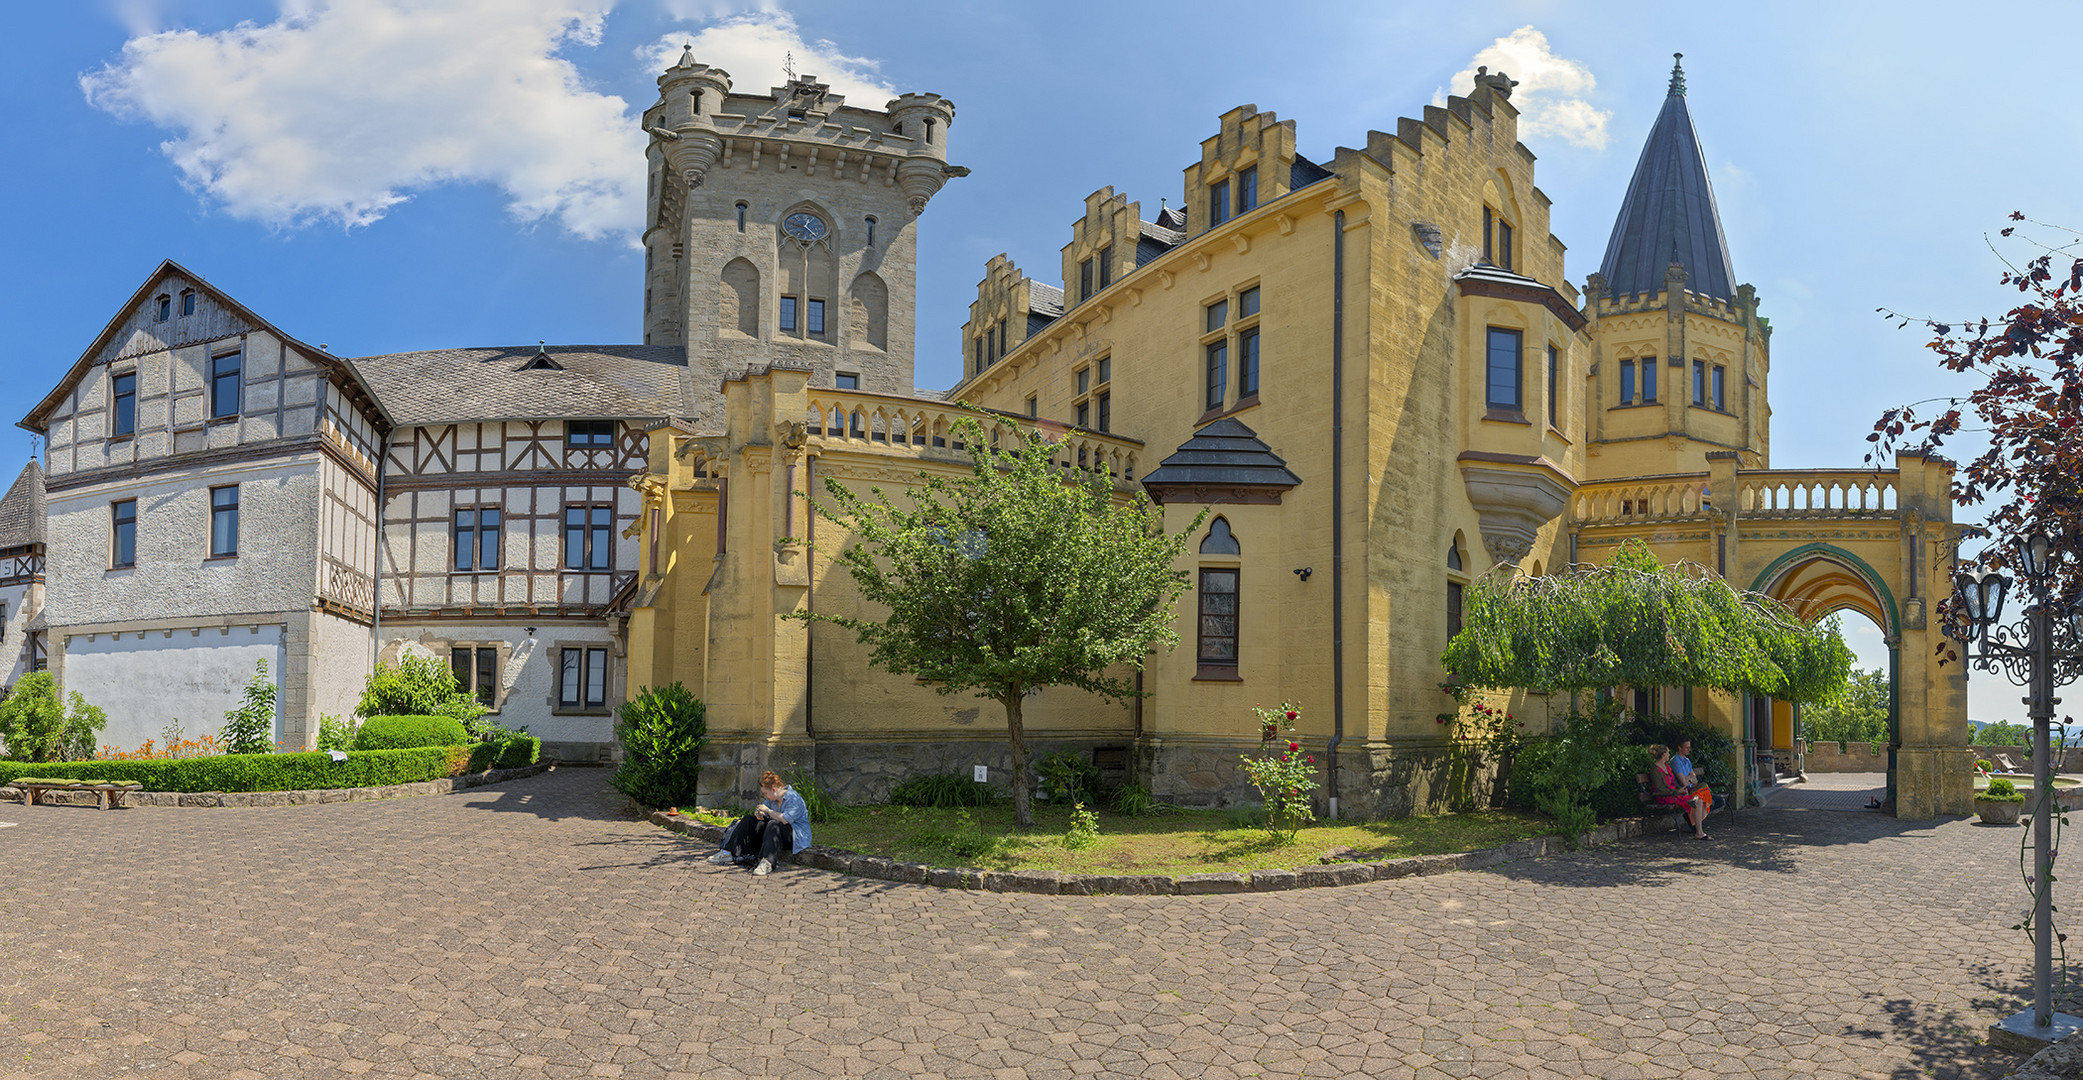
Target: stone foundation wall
(1376, 780)
(1825, 757)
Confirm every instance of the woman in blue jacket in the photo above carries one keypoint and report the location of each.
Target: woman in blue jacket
(781, 820)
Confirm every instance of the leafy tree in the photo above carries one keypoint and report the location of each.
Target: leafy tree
(1635, 622)
(419, 686)
(249, 729)
(1021, 575)
(1860, 714)
(35, 726)
(2002, 733)
(2026, 403)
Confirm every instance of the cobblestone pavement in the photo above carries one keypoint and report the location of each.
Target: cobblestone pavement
(536, 929)
(1828, 791)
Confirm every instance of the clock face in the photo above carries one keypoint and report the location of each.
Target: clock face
(808, 228)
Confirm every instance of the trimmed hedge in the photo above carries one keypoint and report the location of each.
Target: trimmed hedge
(293, 772)
(406, 732)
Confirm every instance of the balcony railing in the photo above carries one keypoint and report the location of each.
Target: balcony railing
(909, 427)
(1775, 493)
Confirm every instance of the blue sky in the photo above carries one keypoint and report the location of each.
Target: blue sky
(382, 176)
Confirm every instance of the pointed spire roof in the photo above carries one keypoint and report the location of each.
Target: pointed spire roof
(1669, 215)
(22, 509)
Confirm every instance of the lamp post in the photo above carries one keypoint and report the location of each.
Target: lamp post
(2025, 652)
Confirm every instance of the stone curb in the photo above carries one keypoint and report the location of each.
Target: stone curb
(1054, 883)
(2060, 1060)
(306, 797)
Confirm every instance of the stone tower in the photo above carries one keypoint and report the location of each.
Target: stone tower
(780, 228)
(1680, 355)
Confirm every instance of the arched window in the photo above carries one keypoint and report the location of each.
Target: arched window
(740, 301)
(871, 230)
(1216, 653)
(869, 304)
(1457, 581)
(741, 216)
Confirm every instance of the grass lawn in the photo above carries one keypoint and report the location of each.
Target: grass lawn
(1170, 842)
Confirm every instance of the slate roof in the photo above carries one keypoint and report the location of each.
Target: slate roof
(1305, 172)
(22, 509)
(1669, 214)
(506, 383)
(1153, 239)
(1224, 454)
(1044, 299)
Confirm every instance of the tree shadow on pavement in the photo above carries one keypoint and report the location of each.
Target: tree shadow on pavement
(557, 797)
(1765, 841)
(1947, 1043)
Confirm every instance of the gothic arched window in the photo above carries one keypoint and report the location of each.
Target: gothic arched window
(1217, 632)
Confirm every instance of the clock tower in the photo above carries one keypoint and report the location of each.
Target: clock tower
(782, 228)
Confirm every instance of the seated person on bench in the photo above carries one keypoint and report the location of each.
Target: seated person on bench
(1689, 780)
(1664, 788)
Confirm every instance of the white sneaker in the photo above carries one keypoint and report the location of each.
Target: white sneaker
(765, 866)
(721, 858)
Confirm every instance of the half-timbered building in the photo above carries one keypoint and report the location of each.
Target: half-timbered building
(22, 633)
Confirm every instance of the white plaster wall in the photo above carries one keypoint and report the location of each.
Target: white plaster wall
(174, 578)
(529, 699)
(144, 681)
(337, 667)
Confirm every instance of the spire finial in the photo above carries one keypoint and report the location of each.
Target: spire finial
(788, 66)
(1678, 74)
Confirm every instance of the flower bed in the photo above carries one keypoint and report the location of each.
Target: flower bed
(293, 772)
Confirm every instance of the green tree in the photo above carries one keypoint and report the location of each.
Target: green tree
(1859, 714)
(1026, 573)
(2002, 733)
(249, 729)
(34, 725)
(418, 686)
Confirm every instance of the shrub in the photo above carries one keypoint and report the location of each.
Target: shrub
(1068, 776)
(296, 771)
(816, 799)
(1713, 752)
(335, 733)
(1134, 800)
(1084, 829)
(405, 732)
(1984, 764)
(943, 790)
(663, 730)
(2001, 790)
(35, 726)
(250, 728)
(418, 686)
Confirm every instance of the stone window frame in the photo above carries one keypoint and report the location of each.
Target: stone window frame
(1220, 552)
(502, 653)
(582, 707)
(1457, 581)
(1493, 408)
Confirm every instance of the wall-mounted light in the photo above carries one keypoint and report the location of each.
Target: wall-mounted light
(1303, 572)
(531, 631)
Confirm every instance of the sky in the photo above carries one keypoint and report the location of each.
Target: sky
(389, 175)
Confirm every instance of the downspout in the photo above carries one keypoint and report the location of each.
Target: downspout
(809, 603)
(383, 457)
(1337, 503)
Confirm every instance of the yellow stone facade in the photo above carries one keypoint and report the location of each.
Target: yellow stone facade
(1448, 402)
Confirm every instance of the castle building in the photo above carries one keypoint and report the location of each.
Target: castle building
(1370, 370)
(1374, 375)
(219, 493)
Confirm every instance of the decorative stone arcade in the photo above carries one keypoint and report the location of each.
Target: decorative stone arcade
(1876, 542)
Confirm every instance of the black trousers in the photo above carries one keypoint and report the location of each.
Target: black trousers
(751, 838)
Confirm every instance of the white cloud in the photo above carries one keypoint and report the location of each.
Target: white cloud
(753, 45)
(1553, 92)
(340, 109)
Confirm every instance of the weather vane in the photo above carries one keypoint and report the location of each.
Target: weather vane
(788, 65)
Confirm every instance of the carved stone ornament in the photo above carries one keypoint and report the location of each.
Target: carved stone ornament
(792, 434)
(1512, 504)
(1507, 549)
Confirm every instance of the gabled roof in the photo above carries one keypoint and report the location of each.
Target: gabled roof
(1223, 462)
(34, 421)
(441, 386)
(22, 509)
(1669, 214)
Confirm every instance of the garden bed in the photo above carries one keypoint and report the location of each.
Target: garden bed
(1394, 849)
(300, 797)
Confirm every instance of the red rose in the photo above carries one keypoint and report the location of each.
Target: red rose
(1291, 714)
(1312, 761)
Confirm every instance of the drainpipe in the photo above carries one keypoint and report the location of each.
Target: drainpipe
(809, 602)
(1337, 503)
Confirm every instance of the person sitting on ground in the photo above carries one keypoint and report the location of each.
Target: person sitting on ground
(1663, 786)
(1689, 780)
(780, 821)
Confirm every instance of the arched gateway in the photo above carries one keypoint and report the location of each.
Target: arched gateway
(1821, 541)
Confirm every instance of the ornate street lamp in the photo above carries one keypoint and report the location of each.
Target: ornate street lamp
(2024, 652)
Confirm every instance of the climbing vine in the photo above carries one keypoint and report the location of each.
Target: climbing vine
(1635, 622)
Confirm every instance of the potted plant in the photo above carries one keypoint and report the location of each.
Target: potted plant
(2000, 804)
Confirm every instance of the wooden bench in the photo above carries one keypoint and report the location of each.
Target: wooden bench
(1646, 795)
(111, 791)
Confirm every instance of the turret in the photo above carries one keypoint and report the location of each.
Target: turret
(925, 118)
